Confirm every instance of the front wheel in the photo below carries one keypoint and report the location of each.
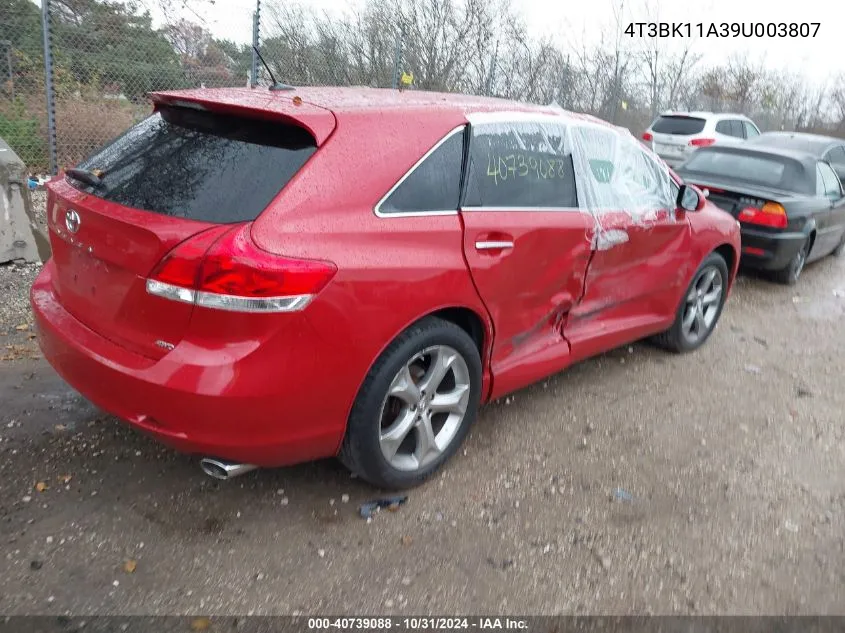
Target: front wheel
(415, 407)
(700, 309)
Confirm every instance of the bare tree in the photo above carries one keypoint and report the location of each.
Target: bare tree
(484, 47)
(744, 80)
(837, 99)
(442, 36)
(668, 75)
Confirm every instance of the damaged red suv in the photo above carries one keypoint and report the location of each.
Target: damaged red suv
(269, 277)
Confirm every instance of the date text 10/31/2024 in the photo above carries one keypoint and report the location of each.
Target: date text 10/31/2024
(382, 623)
(723, 29)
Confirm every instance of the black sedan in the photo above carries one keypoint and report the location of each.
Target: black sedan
(827, 148)
(790, 204)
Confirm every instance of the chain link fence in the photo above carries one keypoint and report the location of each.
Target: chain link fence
(75, 73)
(103, 58)
(23, 96)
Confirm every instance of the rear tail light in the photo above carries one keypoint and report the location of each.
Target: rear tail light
(771, 214)
(647, 136)
(702, 142)
(233, 274)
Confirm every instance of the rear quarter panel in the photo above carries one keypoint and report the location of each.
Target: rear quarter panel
(392, 271)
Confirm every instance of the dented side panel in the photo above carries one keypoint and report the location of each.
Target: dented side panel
(641, 258)
(632, 288)
(528, 288)
(577, 281)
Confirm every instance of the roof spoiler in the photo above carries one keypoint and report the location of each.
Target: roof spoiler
(319, 122)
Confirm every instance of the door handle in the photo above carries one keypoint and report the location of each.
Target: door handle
(493, 245)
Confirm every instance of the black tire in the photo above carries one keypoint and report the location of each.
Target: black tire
(790, 274)
(361, 450)
(676, 339)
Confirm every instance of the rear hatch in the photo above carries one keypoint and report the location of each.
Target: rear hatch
(187, 171)
(673, 133)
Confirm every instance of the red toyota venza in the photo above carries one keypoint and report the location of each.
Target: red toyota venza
(270, 277)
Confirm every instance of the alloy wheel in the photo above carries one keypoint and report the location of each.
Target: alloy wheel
(702, 304)
(425, 406)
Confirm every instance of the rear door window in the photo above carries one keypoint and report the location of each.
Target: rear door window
(520, 165)
(679, 125)
(200, 165)
(731, 127)
(832, 188)
(432, 185)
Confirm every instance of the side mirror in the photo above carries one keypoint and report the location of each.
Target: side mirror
(690, 198)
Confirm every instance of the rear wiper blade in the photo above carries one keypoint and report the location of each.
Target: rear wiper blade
(83, 175)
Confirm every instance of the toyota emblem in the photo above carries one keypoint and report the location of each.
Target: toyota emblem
(72, 221)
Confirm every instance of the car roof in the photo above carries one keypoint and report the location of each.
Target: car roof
(799, 177)
(815, 144)
(807, 159)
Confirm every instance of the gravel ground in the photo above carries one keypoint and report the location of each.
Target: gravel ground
(16, 338)
(39, 205)
(635, 483)
(15, 280)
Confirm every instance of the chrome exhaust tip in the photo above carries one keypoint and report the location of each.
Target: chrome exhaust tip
(219, 469)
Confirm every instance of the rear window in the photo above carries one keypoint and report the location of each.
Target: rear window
(765, 171)
(199, 165)
(681, 125)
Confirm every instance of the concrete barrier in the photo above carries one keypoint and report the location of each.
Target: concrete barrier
(20, 237)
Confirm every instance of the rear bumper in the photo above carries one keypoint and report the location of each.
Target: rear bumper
(767, 251)
(195, 400)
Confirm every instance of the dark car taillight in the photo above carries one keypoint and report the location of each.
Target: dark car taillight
(702, 142)
(771, 214)
(234, 274)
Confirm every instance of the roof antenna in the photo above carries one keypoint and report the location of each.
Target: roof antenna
(276, 85)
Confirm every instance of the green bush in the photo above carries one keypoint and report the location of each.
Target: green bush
(23, 134)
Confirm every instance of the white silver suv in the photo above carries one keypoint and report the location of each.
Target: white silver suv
(674, 136)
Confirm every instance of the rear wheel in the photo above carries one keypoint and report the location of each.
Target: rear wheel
(700, 309)
(790, 274)
(415, 407)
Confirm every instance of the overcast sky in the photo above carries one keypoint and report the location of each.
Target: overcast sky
(571, 21)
